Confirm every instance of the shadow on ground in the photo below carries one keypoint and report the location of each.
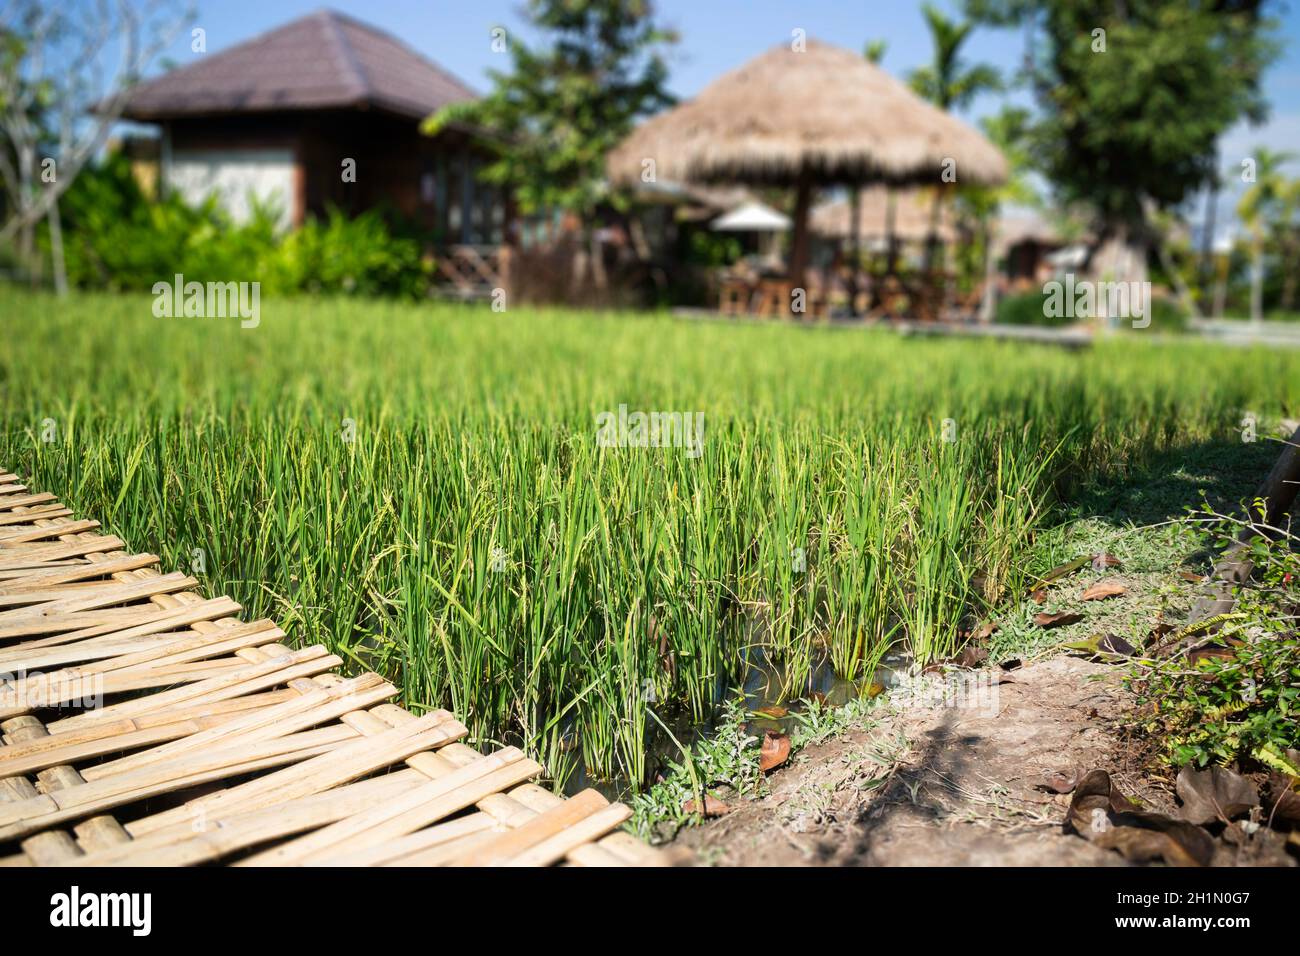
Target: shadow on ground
(1172, 482)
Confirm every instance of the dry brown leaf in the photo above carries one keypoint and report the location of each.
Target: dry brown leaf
(1214, 794)
(772, 711)
(1046, 620)
(1060, 781)
(1210, 652)
(1103, 590)
(775, 751)
(713, 807)
(1108, 819)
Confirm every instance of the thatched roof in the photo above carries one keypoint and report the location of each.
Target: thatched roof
(713, 198)
(1014, 228)
(912, 211)
(824, 110)
(325, 60)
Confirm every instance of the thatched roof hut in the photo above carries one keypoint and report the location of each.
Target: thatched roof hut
(913, 209)
(806, 117)
(825, 110)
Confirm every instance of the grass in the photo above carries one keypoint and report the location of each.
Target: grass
(1154, 518)
(420, 488)
(724, 765)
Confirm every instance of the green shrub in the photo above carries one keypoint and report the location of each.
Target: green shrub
(1029, 309)
(116, 238)
(1240, 698)
(358, 255)
(711, 250)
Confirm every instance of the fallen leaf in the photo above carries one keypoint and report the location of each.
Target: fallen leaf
(772, 711)
(875, 689)
(713, 807)
(1106, 818)
(1039, 596)
(971, 656)
(1089, 645)
(1101, 561)
(1282, 799)
(1059, 781)
(1104, 589)
(1210, 652)
(1192, 576)
(1214, 794)
(1061, 571)
(1114, 644)
(1047, 620)
(985, 631)
(774, 752)
(1102, 645)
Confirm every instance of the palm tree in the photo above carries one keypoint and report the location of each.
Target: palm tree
(1256, 210)
(950, 84)
(1288, 241)
(947, 81)
(1008, 131)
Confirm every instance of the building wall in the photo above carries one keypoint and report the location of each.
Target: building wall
(300, 156)
(241, 179)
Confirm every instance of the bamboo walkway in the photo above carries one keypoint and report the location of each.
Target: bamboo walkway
(143, 724)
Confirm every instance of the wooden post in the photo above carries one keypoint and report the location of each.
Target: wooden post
(891, 242)
(855, 246)
(799, 244)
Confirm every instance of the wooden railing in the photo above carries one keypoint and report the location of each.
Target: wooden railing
(473, 272)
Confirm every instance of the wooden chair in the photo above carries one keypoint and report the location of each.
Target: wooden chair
(892, 299)
(734, 297)
(772, 298)
(817, 300)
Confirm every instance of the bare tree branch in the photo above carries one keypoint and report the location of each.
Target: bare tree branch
(64, 88)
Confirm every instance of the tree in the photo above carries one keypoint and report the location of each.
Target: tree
(1007, 130)
(949, 83)
(1134, 98)
(563, 106)
(1260, 206)
(66, 70)
(1288, 241)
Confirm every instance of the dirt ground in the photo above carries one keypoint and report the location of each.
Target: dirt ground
(942, 785)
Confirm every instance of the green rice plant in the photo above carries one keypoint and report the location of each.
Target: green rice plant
(419, 487)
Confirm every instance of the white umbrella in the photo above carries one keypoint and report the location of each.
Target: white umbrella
(752, 217)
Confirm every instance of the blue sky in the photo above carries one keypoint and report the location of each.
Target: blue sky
(718, 35)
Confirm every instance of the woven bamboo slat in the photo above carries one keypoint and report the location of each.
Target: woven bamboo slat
(145, 724)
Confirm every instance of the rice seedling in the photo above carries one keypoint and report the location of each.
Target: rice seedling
(420, 487)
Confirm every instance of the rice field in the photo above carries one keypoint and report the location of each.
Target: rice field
(453, 497)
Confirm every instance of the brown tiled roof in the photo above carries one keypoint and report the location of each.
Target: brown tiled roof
(322, 61)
